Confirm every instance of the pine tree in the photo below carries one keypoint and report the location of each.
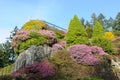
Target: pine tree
(98, 30)
(76, 32)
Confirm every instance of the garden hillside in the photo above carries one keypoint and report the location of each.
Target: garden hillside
(83, 52)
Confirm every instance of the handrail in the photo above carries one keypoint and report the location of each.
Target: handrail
(54, 26)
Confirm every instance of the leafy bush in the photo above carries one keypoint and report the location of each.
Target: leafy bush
(65, 67)
(75, 30)
(36, 71)
(33, 41)
(81, 40)
(89, 31)
(109, 35)
(104, 43)
(98, 30)
(60, 35)
(34, 25)
(82, 54)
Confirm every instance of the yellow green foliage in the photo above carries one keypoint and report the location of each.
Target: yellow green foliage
(34, 25)
(76, 30)
(109, 35)
(6, 70)
(35, 39)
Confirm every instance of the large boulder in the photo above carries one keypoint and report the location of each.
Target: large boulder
(32, 54)
(108, 68)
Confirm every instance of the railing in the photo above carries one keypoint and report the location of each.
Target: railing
(54, 26)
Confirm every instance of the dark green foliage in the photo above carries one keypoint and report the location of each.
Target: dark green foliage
(116, 26)
(75, 30)
(104, 43)
(7, 56)
(89, 31)
(98, 30)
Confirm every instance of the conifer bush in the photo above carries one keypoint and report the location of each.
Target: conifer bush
(98, 30)
(34, 25)
(99, 39)
(75, 30)
(89, 31)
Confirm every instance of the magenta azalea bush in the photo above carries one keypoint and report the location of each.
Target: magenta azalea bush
(36, 71)
(83, 54)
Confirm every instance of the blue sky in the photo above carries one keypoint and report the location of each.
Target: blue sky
(17, 12)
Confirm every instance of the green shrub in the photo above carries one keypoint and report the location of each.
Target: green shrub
(34, 25)
(104, 43)
(35, 39)
(98, 30)
(66, 68)
(75, 30)
(60, 35)
(89, 31)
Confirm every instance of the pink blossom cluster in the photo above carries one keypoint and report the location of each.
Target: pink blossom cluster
(56, 47)
(62, 43)
(99, 50)
(37, 70)
(83, 54)
(47, 33)
(20, 36)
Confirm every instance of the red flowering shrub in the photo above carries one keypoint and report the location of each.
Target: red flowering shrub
(36, 71)
(83, 54)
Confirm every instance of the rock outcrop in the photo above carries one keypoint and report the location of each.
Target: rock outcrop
(32, 54)
(108, 68)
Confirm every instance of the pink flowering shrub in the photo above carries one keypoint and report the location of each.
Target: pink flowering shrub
(56, 47)
(20, 36)
(48, 33)
(62, 43)
(83, 54)
(99, 50)
(36, 71)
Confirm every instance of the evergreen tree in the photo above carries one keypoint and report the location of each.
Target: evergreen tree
(98, 30)
(117, 23)
(7, 55)
(76, 32)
